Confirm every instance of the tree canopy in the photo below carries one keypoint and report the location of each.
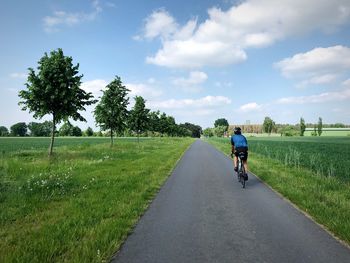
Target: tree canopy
(19, 129)
(111, 112)
(302, 127)
(4, 131)
(138, 118)
(268, 125)
(55, 90)
(319, 126)
(40, 129)
(221, 122)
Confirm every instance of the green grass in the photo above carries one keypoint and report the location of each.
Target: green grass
(81, 204)
(329, 133)
(325, 198)
(11, 144)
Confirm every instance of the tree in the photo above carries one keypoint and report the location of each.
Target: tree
(76, 131)
(220, 131)
(55, 90)
(111, 112)
(89, 132)
(302, 126)
(153, 118)
(66, 129)
(288, 130)
(4, 131)
(138, 118)
(221, 122)
(19, 129)
(268, 125)
(171, 127)
(319, 126)
(208, 132)
(196, 130)
(40, 129)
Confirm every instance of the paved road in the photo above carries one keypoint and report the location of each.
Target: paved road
(203, 215)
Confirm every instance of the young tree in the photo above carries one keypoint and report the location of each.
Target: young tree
(221, 122)
(55, 90)
(66, 129)
(220, 131)
(138, 118)
(111, 112)
(76, 131)
(19, 129)
(4, 131)
(268, 125)
(153, 117)
(89, 132)
(302, 126)
(319, 126)
(208, 132)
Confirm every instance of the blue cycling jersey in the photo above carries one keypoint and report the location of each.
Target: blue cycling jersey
(239, 140)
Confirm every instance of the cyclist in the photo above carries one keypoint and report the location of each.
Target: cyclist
(239, 144)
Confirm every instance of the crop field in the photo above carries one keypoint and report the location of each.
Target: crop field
(79, 205)
(327, 156)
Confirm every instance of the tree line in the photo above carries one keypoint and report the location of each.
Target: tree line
(222, 128)
(55, 90)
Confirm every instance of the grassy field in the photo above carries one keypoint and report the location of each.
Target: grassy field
(81, 204)
(325, 196)
(12, 144)
(329, 133)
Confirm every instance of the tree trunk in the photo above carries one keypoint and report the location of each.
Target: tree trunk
(52, 135)
(111, 137)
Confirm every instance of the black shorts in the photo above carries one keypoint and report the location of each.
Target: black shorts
(242, 152)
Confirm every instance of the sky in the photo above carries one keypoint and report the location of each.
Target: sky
(196, 60)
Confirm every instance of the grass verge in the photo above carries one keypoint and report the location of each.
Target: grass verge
(325, 198)
(80, 205)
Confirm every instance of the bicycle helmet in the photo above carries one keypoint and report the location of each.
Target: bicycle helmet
(237, 130)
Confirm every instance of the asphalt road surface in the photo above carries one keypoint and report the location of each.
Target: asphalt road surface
(202, 214)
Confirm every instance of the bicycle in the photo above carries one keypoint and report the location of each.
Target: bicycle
(241, 169)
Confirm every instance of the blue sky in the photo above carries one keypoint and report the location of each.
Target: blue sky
(195, 60)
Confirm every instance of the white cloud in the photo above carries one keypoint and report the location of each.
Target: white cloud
(59, 18)
(340, 95)
(191, 83)
(144, 90)
(346, 83)
(317, 66)
(18, 75)
(194, 54)
(204, 103)
(249, 107)
(159, 23)
(222, 38)
(94, 86)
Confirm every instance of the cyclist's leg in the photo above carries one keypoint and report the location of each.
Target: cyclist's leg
(235, 161)
(245, 163)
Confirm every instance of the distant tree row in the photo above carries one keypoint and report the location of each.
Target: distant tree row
(221, 128)
(55, 90)
(37, 129)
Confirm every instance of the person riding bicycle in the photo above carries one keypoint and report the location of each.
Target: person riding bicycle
(239, 147)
